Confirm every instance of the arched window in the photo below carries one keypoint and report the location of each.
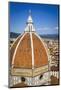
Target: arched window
(31, 27)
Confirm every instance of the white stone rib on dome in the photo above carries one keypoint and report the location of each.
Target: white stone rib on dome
(32, 48)
(16, 48)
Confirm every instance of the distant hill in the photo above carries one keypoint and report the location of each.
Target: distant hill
(49, 36)
(14, 35)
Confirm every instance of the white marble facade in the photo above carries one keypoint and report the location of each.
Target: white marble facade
(45, 79)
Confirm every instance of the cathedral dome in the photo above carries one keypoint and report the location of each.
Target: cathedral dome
(29, 56)
(28, 52)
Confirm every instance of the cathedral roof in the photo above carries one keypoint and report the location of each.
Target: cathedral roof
(22, 51)
(29, 50)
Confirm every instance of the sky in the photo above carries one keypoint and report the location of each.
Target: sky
(45, 17)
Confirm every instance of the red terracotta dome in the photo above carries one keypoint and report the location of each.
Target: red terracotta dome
(22, 55)
(29, 53)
